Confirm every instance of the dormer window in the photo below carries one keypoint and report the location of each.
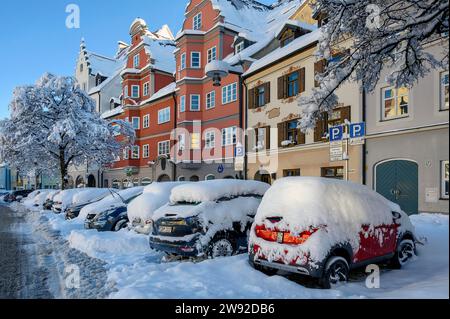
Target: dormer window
(239, 47)
(287, 37)
(197, 25)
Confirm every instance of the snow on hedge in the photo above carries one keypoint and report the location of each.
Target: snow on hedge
(89, 195)
(338, 208)
(153, 197)
(216, 189)
(109, 202)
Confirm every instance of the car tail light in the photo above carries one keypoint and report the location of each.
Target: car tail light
(284, 237)
(187, 249)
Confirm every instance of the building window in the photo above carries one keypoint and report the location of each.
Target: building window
(135, 91)
(262, 138)
(291, 132)
(195, 141)
(333, 172)
(146, 181)
(212, 54)
(126, 153)
(229, 136)
(182, 103)
(444, 91)
(210, 177)
(146, 151)
(195, 102)
(293, 84)
(261, 95)
(146, 121)
(211, 100)
(195, 60)
(291, 172)
(181, 179)
(444, 179)
(164, 148)
(146, 88)
(239, 47)
(125, 91)
(136, 61)
(394, 103)
(135, 152)
(181, 142)
(164, 115)
(84, 87)
(136, 123)
(81, 68)
(210, 139)
(183, 61)
(229, 93)
(198, 21)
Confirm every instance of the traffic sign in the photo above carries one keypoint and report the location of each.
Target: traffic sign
(336, 133)
(240, 151)
(336, 151)
(357, 133)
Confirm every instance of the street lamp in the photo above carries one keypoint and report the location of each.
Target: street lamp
(217, 70)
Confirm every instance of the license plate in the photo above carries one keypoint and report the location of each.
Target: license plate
(280, 237)
(165, 229)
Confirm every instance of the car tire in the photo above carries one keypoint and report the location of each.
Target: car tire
(222, 246)
(336, 270)
(406, 249)
(121, 224)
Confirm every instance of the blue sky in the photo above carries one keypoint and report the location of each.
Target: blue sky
(34, 38)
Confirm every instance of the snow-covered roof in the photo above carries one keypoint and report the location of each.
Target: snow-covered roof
(216, 189)
(118, 110)
(280, 53)
(99, 64)
(169, 89)
(161, 53)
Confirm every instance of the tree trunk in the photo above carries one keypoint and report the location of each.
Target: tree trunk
(63, 168)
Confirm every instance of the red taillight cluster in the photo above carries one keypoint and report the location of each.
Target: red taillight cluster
(284, 237)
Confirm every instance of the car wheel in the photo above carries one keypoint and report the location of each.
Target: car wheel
(406, 250)
(121, 224)
(336, 271)
(221, 247)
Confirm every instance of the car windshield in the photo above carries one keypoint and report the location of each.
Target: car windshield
(186, 204)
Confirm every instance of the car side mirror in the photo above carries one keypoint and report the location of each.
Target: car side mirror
(396, 215)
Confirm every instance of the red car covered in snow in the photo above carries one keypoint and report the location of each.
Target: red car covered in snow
(323, 228)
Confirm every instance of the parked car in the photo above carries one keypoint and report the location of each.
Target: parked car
(110, 214)
(85, 198)
(209, 218)
(48, 203)
(63, 199)
(17, 195)
(323, 228)
(140, 210)
(3, 194)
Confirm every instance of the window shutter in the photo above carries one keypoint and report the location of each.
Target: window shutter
(319, 68)
(251, 99)
(252, 139)
(301, 137)
(321, 125)
(302, 80)
(267, 93)
(268, 138)
(346, 114)
(281, 133)
(281, 88)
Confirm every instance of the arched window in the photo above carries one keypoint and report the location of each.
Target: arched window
(116, 184)
(146, 181)
(136, 182)
(181, 179)
(210, 177)
(81, 67)
(194, 178)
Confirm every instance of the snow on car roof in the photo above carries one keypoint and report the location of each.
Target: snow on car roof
(154, 196)
(216, 189)
(89, 195)
(314, 201)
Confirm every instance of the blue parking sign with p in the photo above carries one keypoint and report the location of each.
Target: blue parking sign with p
(336, 133)
(357, 130)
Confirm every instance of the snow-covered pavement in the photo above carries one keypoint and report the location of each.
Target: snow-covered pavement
(134, 271)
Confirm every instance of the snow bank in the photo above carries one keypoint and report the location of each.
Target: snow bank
(337, 208)
(89, 195)
(153, 197)
(109, 202)
(216, 189)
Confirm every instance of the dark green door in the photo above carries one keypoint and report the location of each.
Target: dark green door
(398, 181)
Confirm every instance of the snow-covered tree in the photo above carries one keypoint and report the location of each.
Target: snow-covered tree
(383, 34)
(53, 124)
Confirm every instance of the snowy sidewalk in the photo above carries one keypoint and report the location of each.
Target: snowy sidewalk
(134, 271)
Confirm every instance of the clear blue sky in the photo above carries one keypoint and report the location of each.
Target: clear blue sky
(34, 38)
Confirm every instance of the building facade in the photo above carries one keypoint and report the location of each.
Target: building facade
(407, 149)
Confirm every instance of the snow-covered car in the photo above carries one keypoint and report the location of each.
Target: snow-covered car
(140, 210)
(29, 199)
(63, 199)
(17, 195)
(83, 199)
(323, 228)
(110, 214)
(210, 218)
(48, 203)
(40, 198)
